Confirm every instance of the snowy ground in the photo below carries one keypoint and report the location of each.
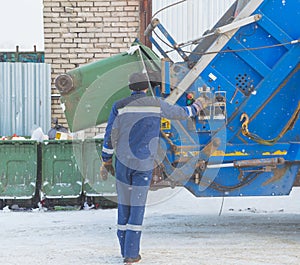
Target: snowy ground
(179, 229)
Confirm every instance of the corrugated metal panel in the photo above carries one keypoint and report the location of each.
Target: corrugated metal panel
(25, 97)
(189, 20)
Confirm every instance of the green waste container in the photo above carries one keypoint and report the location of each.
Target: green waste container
(18, 169)
(93, 185)
(88, 92)
(62, 169)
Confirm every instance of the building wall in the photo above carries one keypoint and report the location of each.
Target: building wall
(188, 20)
(81, 31)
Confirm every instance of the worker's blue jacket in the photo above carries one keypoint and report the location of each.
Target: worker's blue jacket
(133, 129)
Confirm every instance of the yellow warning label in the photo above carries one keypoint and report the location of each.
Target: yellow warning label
(278, 152)
(165, 124)
(222, 153)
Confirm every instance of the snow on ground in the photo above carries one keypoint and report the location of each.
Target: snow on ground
(178, 229)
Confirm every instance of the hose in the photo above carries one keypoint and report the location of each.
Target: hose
(254, 137)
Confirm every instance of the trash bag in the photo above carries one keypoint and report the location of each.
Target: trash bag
(57, 128)
(37, 134)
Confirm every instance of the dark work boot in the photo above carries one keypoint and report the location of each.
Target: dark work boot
(128, 261)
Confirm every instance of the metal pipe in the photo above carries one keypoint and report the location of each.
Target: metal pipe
(237, 24)
(220, 165)
(259, 162)
(151, 26)
(251, 163)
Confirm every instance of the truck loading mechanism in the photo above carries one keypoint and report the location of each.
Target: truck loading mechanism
(247, 141)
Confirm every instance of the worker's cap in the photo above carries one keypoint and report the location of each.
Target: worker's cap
(138, 81)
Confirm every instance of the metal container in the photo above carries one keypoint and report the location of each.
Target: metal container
(94, 186)
(18, 169)
(88, 92)
(61, 169)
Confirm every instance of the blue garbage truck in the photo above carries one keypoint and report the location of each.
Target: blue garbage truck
(246, 142)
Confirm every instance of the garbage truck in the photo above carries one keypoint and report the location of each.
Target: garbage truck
(246, 142)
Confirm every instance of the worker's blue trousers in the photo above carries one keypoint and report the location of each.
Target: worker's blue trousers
(132, 189)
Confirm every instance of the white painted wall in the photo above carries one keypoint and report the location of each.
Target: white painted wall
(189, 20)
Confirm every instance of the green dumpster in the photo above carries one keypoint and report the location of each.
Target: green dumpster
(18, 169)
(88, 92)
(62, 169)
(93, 185)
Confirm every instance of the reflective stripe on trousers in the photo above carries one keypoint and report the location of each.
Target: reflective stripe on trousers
(132, 188)
(136, 228)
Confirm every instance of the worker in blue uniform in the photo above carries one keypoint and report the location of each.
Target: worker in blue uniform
(132, 133)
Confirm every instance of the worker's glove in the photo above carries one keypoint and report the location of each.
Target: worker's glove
(200, 104)
(106, 168)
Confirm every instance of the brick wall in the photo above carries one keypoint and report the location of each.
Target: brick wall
(79, 32)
